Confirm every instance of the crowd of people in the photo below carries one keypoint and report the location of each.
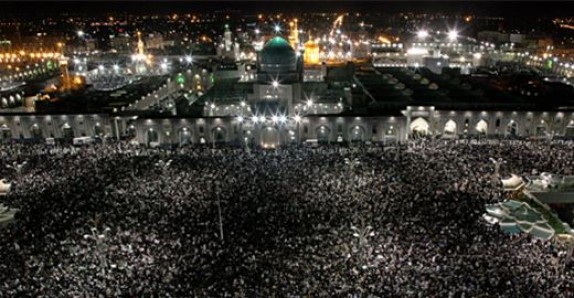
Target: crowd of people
(333, 221)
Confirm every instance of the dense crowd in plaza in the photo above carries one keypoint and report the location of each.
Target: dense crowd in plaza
(406, 221)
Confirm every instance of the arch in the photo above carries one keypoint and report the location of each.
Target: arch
(357, 134)
(269, 137)
(512, 128)
(152, 136)
(6, 132)
(542, 129)
(218, 134)
(450, 127)
(482, 127)
(390, 134)
(419, 127)
(569, 130)
(98, 130)
(36, 131)
(323, 134)
(184, 136)
(131, 131)
(292, 136)
(67, 131)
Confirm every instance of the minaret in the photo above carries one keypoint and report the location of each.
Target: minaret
(141, 49)
(227, 39)
(140, 56)
(293, 34)
(66, 80)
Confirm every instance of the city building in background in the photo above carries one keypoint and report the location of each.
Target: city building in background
(271, 79)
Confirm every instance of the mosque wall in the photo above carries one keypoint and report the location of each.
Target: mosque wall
(444, 123)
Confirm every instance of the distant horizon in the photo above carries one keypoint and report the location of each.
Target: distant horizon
(506, 8)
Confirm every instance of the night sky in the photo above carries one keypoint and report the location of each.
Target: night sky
(494, 8)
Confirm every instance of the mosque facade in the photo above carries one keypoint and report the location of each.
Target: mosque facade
(278, 105)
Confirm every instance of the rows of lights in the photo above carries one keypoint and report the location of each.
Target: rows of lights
(21, 75)
(452, 34)
(276, 119)
(432, 44)
(390, 65)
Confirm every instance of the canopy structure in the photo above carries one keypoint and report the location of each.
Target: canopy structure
(550, 182)
(4, 187)
(6, 215)
(518, 217)
(512, 183)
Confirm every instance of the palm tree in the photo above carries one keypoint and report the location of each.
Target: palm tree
(163, 165)
(17, 167)
(352, 163)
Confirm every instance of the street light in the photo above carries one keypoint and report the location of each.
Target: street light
(452, 35)
(188, 59)
(422, 34)
(497, 163)
(101, 245)
(362, 234)
(275, 84)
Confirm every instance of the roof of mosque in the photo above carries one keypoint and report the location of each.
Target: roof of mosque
(277, 51)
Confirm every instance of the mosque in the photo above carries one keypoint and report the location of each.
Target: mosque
(277, 102)
(285, 96)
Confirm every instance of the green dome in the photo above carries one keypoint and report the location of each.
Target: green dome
(278, 52)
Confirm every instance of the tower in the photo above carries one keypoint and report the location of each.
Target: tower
(227, 39)
(63, 61)
(293, 34)
(140, 58)
(141, 49)
(140, 44)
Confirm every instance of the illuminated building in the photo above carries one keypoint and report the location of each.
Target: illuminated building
(311, 55)
(228, 48)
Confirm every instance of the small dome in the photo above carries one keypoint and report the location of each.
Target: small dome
(278, 54)
(311, 44)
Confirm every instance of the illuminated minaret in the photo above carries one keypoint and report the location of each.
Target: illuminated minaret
(141, 49)
(227, 39)
(293, 34)
(66, 79)
(140, 58)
